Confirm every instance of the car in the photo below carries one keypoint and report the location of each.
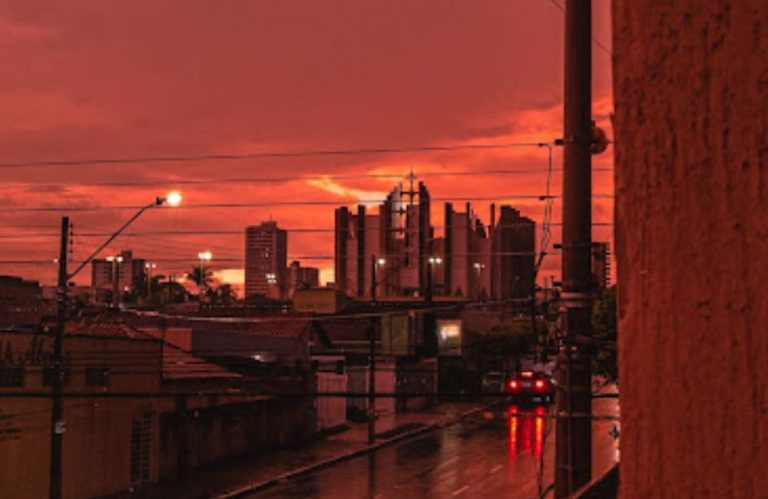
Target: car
(493, 383)
(531, 386)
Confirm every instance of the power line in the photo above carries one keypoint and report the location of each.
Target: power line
(262, 155)
(265, 204)
(238, 232)
(296, 178)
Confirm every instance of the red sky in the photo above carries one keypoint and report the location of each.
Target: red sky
(95, 79)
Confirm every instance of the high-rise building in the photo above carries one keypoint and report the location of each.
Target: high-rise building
(393, 244)
(470, 261)
(266, 258)
(302, 277)
(514, 257)
(122, 272)
(601, 266)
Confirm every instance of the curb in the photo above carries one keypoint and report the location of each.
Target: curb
(284, 477)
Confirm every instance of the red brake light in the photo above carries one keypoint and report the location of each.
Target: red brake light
(514, 385)
(541, 384)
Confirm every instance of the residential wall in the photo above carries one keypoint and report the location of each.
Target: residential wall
(691, 138)
(97, 441)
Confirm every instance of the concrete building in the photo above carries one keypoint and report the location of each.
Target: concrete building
(152, 429)
(118, 273)
(21, 302)
(266, 260)
(470, 261)
(514, 259)
(466, 250)
(302, 277)
(399, 234)
(691, 170)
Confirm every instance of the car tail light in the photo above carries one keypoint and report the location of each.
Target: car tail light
(514, 385)
(540, 385)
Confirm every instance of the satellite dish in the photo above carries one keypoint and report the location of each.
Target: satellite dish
(599, 140)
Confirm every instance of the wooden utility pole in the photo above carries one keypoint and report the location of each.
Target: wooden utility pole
(57, 422)
(574, 398)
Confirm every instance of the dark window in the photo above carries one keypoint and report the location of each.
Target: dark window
(48, 373)
(141, 440)
(98, 376)
(12, 376)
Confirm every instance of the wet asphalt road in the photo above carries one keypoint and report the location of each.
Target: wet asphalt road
(488, 456)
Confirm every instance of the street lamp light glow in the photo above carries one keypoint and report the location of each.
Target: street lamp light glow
(381, 261)
(173, 198)
(435, 260)
(205, 256)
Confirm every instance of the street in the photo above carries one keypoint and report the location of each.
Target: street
(493, 455)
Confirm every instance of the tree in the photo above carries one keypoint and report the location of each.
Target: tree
(194, 276)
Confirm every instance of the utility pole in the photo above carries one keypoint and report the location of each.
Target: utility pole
(574, 398)
(57, 423)
(372, 364)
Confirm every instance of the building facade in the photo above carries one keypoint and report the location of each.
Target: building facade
(302, 277)
(21, 302)
(397, 248)
(119, 274)
(266, 259)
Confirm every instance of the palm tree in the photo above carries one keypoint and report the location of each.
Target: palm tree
(194, 276)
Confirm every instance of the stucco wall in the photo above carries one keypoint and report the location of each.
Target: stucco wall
(691, 128)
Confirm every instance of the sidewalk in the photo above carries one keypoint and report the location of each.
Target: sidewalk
(237, 477)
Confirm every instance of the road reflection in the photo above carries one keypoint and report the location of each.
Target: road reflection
(527, 431)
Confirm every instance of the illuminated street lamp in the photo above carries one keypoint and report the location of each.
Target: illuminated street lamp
(375, 264)
(116, 261)
(58, 424)
(148, 268)
(205, 257)
(431, 262)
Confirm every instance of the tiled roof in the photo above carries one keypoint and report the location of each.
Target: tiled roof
(179, 365)
(106, 330)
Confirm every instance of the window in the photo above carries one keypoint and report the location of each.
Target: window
(98, 376)
(12, 376)
(141, 440)
(48, 373)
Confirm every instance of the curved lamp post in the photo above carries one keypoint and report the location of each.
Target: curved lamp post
(58, 426)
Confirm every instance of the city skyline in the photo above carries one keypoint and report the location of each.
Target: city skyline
(475, 92)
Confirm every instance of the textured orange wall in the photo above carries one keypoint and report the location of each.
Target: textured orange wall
(691, 126)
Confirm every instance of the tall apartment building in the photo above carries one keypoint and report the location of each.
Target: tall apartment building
(122, 271)
(266, 258)
(514, 258)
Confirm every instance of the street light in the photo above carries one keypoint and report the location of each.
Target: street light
(431, 262)
(149, 267)
(375, 264)
(58, 426)
(116, 261)
(205, 257)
